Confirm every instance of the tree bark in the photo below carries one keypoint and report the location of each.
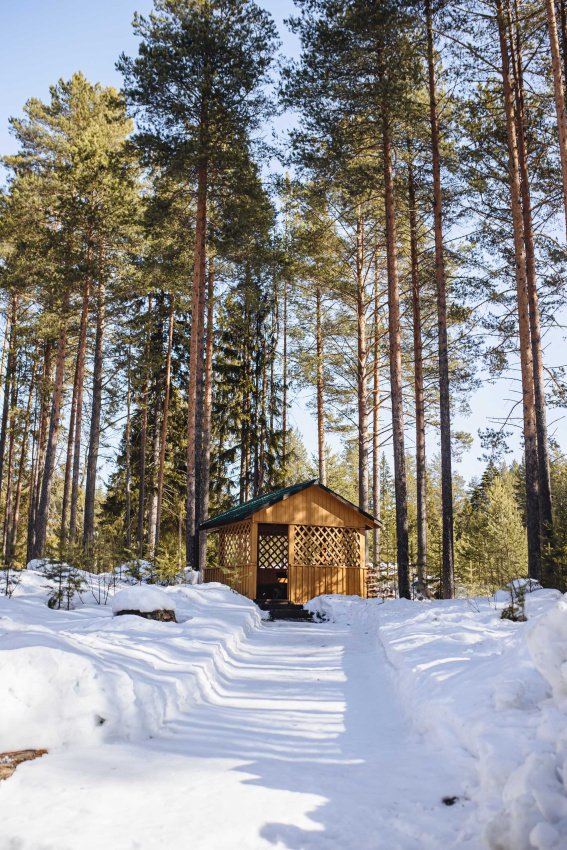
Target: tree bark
(80, 382)
(530, 436)
(51, 447)
(164, 421)
(559, 93)
(143, 438)
(262, 460)
(207, 412)
(361, 367)
(94, 436)
(41, 449)
(153, 490)
(199, 403)
(563, 19)
(420, 464)
(10, 470)
(284, 405)
(197, 303)
(395, 363)
(13, 540)
(376, 494)
(128, 471)
(546, 515)
(320, 387)
(12, 322)
(68, 469)
(444, 395)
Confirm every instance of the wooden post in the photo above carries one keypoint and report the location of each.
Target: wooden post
(254, 559)
(362, 579)
(291, 575)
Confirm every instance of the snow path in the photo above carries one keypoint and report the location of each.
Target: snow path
(301, 745)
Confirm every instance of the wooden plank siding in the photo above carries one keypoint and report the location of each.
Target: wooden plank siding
(305, 582)
(311, 507)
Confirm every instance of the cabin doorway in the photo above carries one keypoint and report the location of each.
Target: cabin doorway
(273, 561)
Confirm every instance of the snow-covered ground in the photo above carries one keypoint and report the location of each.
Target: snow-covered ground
(496, 689)
(225, 732)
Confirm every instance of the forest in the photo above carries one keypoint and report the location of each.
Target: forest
(368, 228)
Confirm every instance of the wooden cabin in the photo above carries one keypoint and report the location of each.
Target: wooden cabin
(295, 543)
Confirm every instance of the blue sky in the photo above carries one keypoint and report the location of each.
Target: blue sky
(44, 41)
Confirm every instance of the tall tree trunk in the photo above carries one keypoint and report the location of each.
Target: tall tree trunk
(144, 437)
(197, 304)
(199, 403)
(10, 369)
(153, 490)
(80, 382)
(376, 495)
(421, 474)
(41, 449)
(320, 387)
(444, 395)
(395, 363)
(6, 337)
(94, 436)
(361, 372)
(284, 405)
(247, 423)
(164, 421)
(51, 447)
(530, 436)
(546, 516)
(4, 378)
(13, 539)
(563, 19)
(207, 411)
(128, 472)
(262, 461)
(68, 469)
(559, 94)
(9, 506)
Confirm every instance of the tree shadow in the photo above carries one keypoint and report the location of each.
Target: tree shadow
(310, 710)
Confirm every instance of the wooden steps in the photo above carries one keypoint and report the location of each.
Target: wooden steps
(282, 609)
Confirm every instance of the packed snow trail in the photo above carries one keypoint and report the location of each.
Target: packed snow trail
(301, 744)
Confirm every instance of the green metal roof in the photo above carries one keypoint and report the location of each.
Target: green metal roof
(254, 505)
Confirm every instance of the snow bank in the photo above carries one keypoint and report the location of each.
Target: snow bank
(535, 795)
(85, 677)
(144, 598)
(496, 688)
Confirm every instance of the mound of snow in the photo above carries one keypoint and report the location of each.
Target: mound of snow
(516, 586)
(469, 678)
(143, 597)
(84, 677)
(535, 795)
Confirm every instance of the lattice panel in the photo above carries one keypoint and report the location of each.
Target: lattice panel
(325, 545)
(272, 552)
(234, 544)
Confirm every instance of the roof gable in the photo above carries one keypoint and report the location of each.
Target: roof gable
(247, 509)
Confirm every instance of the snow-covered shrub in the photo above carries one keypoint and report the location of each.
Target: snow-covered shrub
(67, 583)
(137, 571)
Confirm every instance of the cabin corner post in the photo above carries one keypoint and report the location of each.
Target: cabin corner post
(253, 582)
(291, 573)
(363, 583)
